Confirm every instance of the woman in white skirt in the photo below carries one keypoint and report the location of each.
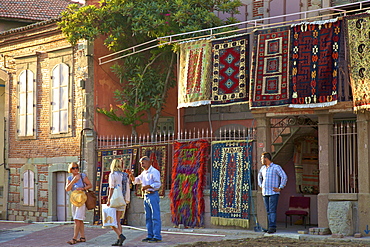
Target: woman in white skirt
(118, 178)
(77, 181)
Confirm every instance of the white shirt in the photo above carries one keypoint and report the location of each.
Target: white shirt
(150, 177)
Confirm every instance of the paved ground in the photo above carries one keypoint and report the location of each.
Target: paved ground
(51, 234)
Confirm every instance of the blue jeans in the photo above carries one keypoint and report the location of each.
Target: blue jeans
(153, 215)
(271, 203)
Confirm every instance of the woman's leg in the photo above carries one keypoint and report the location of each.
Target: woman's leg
(118, 230)
(80, 228)
(76, 229)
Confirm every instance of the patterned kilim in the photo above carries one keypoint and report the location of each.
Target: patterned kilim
(158, 155)
(270, 83)
(315, 64)
(231, 183)
(357, 30)
(306, 165)
(195, 71)
(128, 156)
(230, 82)
(188, 180)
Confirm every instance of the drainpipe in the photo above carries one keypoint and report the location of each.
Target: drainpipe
(82, 148)
(7, 169)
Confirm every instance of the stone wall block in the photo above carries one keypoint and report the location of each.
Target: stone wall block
(340, 217)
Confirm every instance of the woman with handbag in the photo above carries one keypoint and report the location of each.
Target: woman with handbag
(77, 182)
(118, 196)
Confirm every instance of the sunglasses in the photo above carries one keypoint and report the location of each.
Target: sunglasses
(73, 168)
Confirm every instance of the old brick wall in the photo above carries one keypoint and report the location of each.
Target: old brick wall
(41, 46)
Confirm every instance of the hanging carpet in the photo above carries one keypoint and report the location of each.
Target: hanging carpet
(270, 83)
(230, 79)
(358, 46)
(306, 164)
(104, 160)
(315, 64)
(195, 71)
(188, 180)
(231, 183)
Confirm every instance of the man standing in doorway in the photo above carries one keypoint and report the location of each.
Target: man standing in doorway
(150, 181)
(272, 179)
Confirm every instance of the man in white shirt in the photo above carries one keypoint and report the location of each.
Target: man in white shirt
(150, 180)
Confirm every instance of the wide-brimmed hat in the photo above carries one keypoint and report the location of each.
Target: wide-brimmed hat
(78, 198)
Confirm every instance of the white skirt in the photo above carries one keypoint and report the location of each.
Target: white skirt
(78, 213)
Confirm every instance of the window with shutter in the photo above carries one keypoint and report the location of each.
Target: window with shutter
(26, 103)
(28, 188)
(60, 96)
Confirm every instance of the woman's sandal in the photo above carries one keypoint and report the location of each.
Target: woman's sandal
(72, 241)
(81, 240)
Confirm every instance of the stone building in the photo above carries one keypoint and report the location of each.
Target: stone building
(45, 100)
(13, 15)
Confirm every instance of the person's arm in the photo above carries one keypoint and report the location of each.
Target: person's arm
(69, 184)
(87, 184)
(155, 182)
(128, 196)
(260, 178)
(110, 187)
(110, 193)
(131, 176)
(283, 178)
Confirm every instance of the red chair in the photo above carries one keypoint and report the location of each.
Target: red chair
(300, 206)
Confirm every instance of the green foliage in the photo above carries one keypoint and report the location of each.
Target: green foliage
(145, 77)
(132, 116)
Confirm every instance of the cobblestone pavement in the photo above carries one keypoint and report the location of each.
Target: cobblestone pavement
(45, 234)
(16, 234)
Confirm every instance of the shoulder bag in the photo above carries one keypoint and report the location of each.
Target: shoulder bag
(91, 198)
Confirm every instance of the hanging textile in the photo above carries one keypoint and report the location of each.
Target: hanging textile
(357, 32)
(306, 163)
(315, 64)
(195, 70)
(270, 84)
(231, 183)
(158, 155)
(188, 180)
(230, 79)
(104, 160)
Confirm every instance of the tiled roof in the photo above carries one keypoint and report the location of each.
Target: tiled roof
(30, 26)
(33, 10)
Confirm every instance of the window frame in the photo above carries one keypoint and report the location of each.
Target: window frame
(30, 107)
(63, 87)
(28, 169)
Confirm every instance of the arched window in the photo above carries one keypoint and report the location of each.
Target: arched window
(28, 188)
(60, 99)
(26, 104)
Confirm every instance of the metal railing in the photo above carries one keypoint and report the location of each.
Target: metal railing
(209, 32)
(110, 141)
(345, 157)
(107, 143)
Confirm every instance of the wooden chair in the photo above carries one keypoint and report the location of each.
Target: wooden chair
(300, 206)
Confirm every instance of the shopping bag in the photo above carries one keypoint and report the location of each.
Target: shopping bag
(109, 216)
(117, 199)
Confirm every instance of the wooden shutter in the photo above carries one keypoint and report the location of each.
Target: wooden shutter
(26, 103)
(22, 107)
(64, 81)
(60, 82)
(26, 188)
(30, 104)
(31, 185)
